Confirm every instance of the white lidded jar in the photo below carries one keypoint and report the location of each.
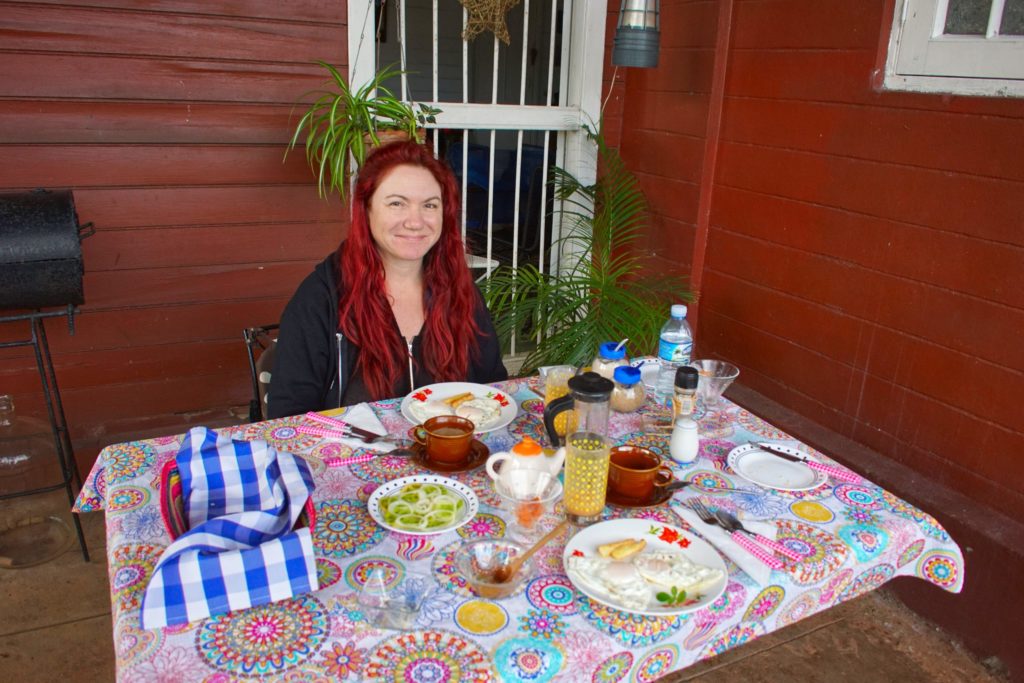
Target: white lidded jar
(684, 446)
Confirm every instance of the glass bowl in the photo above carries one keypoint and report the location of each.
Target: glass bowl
(477, 561)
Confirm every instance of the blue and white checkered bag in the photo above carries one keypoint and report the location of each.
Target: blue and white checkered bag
(241, 499)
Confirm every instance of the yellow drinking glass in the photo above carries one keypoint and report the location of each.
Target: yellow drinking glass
(556, 385)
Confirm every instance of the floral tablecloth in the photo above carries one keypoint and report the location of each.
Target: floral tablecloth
(852, 538)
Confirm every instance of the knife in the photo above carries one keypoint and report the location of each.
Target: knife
(837, 472)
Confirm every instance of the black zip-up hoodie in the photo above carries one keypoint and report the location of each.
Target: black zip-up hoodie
(313, 362)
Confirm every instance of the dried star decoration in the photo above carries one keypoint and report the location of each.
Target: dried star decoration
(487, 15)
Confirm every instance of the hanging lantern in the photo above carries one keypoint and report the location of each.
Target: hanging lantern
(637, 35)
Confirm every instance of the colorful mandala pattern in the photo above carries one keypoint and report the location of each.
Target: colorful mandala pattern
(133, 644)
(447, 574)
(866, 582)
(656, 664)
(717, 425)
(727, 604)
(859, 496)
(327, 573)
(911, 553)
(131, 567)
(765, 603)
(868, 542)
(812, 511)
(929, 525)
(941, 568)
(435, 656)
(281, 434)
(755, 425)
(655, 442)
(661, 514)
(481, 617)
(482, 486)
(344, 527)
(835, 586)
(716, 450)
(711, 480)
(541, 623)
(553, 593)
(526, 659)
(484, 525)
(124, 461)
(632, 630)
(802, 607)
(528, 425)
(737, 635)
(412, 548)
(613, 669)
(359, 571)
(534, 406)
(126, 498)
(384, 468)
(264, 640)
(339, 660)
(330, 449)
(822, 552)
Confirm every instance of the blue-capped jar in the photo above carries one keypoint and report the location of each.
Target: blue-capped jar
(608, 358)
(628, 394)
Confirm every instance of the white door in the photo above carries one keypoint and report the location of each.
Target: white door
(509, 112)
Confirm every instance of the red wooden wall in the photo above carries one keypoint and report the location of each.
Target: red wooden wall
(168, 119)
(865, 251)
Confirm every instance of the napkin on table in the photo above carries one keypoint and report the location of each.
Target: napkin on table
(360, 415)
(720, 538)
(242, 501)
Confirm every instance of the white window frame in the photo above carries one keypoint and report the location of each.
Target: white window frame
(921, 58)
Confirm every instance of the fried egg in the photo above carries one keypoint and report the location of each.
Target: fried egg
(479, 411)
(633, 583)
(424, 410)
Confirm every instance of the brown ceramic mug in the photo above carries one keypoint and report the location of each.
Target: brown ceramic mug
(637, 473)
(446, 439)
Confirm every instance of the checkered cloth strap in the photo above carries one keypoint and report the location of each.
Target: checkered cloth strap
(242, 500)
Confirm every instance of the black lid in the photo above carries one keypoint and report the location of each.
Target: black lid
(686, 377)
(591, 387)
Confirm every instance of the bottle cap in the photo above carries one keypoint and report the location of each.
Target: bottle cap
(687, 377)
(678, 311)
(527, 447)
(626, 375)
(608, 351)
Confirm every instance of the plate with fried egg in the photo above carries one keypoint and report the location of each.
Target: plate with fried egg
(645, 567)
(486, 407)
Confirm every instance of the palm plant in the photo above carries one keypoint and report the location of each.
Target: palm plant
(342, 124)
(608, 294)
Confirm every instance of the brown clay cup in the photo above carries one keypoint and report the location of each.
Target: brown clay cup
(446, 439)
(637, 473)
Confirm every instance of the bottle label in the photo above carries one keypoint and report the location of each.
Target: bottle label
(675, 353)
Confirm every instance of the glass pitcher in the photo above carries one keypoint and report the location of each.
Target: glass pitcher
(586, 448)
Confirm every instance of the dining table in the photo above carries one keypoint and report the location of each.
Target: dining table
(845, 537)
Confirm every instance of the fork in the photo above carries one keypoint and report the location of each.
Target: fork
(733, 524)
(741, 540)
(345, 429)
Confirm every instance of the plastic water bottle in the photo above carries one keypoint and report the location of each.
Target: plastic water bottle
(673, 351)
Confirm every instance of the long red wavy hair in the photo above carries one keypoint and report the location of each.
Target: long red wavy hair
(449, 331)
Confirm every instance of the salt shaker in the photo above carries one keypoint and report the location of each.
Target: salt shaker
(685, 442)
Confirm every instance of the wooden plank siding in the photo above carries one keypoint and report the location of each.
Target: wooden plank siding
(169, 120)
(865, 259)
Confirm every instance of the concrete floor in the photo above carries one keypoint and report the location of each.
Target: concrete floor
(55, 626)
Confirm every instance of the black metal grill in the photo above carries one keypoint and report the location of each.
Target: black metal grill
(40, 250)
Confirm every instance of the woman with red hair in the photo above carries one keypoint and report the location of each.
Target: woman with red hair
(395, 307)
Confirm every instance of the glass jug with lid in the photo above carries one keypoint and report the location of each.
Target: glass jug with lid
(586, 448)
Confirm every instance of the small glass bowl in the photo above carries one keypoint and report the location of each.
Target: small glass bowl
(477, 560)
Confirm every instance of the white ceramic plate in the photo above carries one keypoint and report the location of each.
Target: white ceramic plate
(456, 488)
(770, 471)
(431, 392)
(696, 549)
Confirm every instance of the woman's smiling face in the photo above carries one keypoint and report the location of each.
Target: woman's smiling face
(406, 214)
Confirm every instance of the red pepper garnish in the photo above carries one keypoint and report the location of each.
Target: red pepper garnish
(668, 535)
(577, 553)
(683, 543)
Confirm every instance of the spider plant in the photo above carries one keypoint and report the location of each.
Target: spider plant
(342, 124)
(608, 294)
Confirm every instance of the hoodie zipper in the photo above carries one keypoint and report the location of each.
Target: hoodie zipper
(341, 367)
(412, 381)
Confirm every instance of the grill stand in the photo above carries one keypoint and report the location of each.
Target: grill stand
(54, 409)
